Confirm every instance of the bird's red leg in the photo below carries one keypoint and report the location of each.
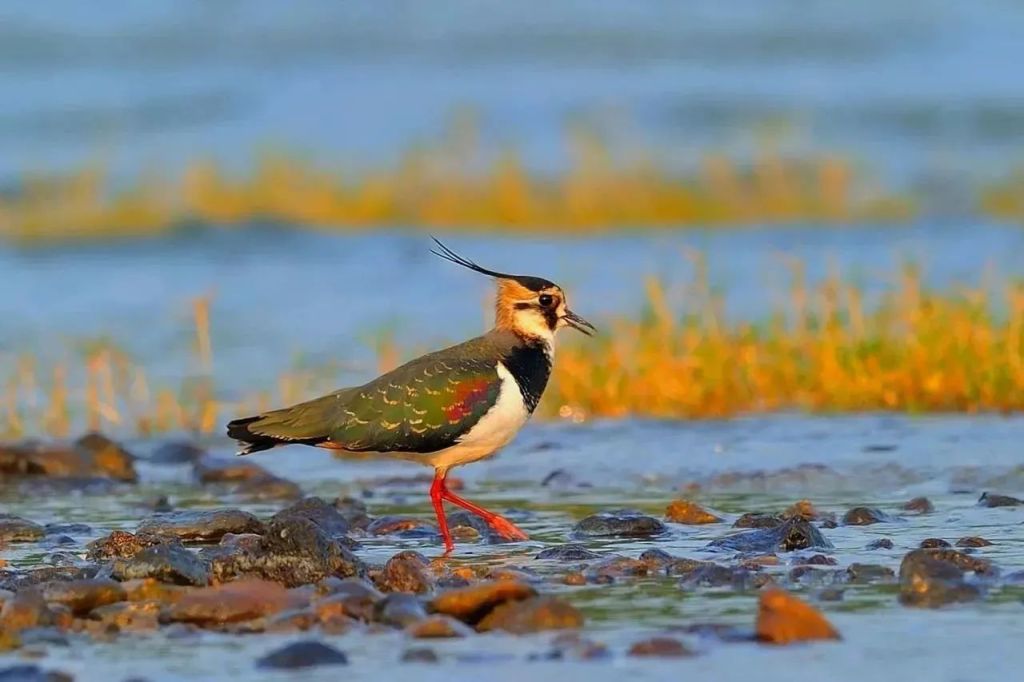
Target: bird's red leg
(499, 524)
(437, 497)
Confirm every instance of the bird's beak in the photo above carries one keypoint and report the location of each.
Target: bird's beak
(578, 323)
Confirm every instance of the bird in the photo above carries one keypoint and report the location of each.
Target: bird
(443, 409)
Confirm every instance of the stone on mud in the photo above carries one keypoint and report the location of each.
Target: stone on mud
(532, 615)
(865, 516)
(622, 524)
(784, 619)
(167, 563)
(759, 520)
(320, 512)
(91, 456)
(129, 616)
(973, 541)
(25, 610)
(406, 571)
(660, 647)
(234, 602)
(121, 544)
(568, 552)
(438, 627)
(794, 534)
(689, 513)
(203, 526)
(305, 654)
(472, 604)
(294, 551)
(931, 578)
(25, 672)
(16, 529)
(82, 596)
(918, 505)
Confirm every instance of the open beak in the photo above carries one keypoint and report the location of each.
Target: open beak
(578, 323)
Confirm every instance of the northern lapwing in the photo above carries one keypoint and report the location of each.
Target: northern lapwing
(446, 408)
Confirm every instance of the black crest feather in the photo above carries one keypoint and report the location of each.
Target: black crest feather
(531, 283)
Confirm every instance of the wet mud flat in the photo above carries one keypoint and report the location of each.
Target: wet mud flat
(842, 547)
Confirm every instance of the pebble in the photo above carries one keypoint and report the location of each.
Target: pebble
(865, 516)
(82, 596)
(167, 563)
(620, 524)
(689, 513)
(660, 647)
(918, 505)
(472, 604)
(233, 602)
(438, 627)
(568, 552)
(784, 619)
(304, 654)
(16, 529)
(532, 615)
(201, 526)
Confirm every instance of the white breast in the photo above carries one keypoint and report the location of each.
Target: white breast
(494, 430)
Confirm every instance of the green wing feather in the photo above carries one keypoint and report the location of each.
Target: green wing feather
(423, 406)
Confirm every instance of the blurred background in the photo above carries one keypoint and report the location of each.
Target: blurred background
(211, 207)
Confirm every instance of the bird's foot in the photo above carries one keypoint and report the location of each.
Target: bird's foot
(506, 530)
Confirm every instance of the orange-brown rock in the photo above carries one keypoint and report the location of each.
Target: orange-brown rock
(660, 647)
(784, 619)
(26, 609)
(532, 615)
(406, 572)
(471, 604)
(233, 602)
(133, 616)
(690, 513)
(438, 627)
(151, 589)
(82, 596)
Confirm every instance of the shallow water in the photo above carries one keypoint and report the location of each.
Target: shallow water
(739, 465)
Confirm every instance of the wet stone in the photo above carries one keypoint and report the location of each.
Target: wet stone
(82, 596)
(869, 573)
(918, 505)
(882, 543)
(245, 478)
(32, 673)
(784, 619)
(401, 526)
(305, 654)
(660, 647)
(419, 655)
(794, 534)
(532, 615)
(973, 541)
(26, 609)
(129, 616)
(294, 551)
(202, 526)
(123, 545)
(865, 516)
(438, 627)
(614, 567)
(233, 602)
(399, 609)
(805, 510)
(993, 500)
(177, 452)
(319, 512)
(622, 524)
(715, 575)
(471, 604)
(167, 563)
(353, 511)
(15, 582)
(268, 488)
(934, 543)
(689, 513)
(67, 529)
(656, 558)
(568, 552)
(758, 520)
(932, 578)
(406, 571)
(16, 529)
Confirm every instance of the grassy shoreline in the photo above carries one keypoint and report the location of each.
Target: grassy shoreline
(824, 350)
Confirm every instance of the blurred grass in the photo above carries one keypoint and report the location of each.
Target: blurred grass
(824, 350)
(457, 183)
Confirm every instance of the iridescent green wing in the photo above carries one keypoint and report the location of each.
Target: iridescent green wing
(424, 406)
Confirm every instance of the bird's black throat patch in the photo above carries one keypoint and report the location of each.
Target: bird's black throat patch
(530, 366)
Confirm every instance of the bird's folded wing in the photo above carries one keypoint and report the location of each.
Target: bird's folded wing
(420, 407)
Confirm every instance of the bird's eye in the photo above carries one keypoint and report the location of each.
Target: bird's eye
(545, 300)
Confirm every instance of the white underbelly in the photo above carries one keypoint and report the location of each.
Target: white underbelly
(494, 430)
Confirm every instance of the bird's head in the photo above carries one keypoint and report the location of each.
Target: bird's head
(532, 307)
